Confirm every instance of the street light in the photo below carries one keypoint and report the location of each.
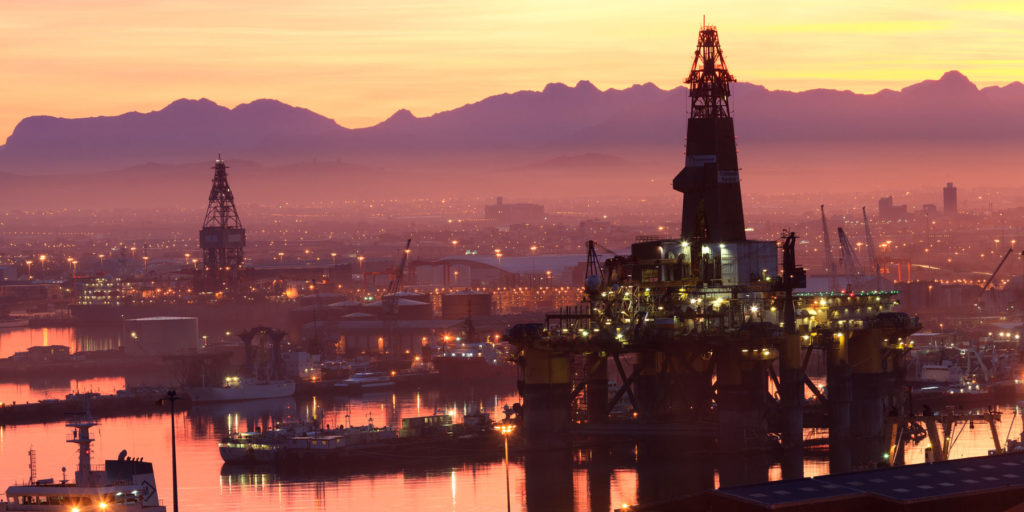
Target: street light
(101, 262)
(506, 429)
(171, 397)
(29, 263)
(334, 255)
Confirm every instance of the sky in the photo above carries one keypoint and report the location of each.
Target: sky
(359, 61)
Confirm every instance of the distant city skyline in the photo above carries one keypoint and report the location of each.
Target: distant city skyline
(359, 63)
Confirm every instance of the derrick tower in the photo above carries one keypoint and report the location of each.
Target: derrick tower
(710, 181)
(222, 238)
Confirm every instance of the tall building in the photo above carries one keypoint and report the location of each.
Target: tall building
(887, 210)
(514, 213)
(949, 199)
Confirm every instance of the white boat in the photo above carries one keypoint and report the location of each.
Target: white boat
(123, 485)
(367, 381)
(243, 389)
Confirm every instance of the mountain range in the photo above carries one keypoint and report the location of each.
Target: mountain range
(560, 128)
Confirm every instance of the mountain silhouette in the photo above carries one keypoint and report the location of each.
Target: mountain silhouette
(639, 129)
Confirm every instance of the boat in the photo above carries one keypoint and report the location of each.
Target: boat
(308, 446)
(261, 446)
(13, 322)
(474, 362)
(123, 485)
(235, 389)
(367, 381)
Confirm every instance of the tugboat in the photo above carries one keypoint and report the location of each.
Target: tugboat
(125, 484)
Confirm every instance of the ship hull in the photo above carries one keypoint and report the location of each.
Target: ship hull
(473, 369)
(248, 391)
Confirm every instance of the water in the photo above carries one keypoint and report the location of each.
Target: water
(203, 487)
(57, 386)
(77, 339)
(597, 479)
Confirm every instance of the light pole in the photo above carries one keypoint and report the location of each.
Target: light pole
(101, 263)
(187, 257)
(171, 397)
(29, 263)
(506, 430)
(334, 257)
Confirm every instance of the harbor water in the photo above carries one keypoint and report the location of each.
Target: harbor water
(595, 478)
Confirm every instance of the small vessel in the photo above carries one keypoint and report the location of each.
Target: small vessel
(367, 381)
(235, 388)
(474, 362)
(308, 446)
(260, 447)
(124, 484)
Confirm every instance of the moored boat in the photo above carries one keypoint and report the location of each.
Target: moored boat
(243, 389)
(124, 484)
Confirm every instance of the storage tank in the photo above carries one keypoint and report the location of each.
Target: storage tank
(161, 335)
(459, 305)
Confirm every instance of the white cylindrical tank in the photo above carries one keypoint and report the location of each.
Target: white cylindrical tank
(161, 335)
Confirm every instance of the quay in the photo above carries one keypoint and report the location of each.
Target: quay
(100, 406)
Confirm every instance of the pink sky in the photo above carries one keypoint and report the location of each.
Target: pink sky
(358, 62)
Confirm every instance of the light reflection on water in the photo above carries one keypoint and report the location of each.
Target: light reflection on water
(424, 485)
(77, 339)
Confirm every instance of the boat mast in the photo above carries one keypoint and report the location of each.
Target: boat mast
(81, 437)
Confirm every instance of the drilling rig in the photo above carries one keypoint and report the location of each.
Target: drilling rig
(222, 238)
(696, 331)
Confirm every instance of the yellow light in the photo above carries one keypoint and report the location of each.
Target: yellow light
(103, 505)
(75, 509)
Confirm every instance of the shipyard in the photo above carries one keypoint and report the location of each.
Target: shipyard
(703, 294)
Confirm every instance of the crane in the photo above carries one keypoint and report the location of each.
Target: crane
(872, 260)
(390, 299)
(848, 259)
(830, 264)
(992, 277)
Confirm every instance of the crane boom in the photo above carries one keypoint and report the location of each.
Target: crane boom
(848, 258)
(396, 285)
(994, 272)
(872, 260)
(830, 264)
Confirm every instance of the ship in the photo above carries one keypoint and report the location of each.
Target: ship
(367, 381)
(236, 389)
(474, 362)
(307, 446)
(123, 485)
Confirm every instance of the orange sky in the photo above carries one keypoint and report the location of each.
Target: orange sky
(359, 61)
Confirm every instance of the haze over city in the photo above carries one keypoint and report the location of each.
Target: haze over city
(453, 256)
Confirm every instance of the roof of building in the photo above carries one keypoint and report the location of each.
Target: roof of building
(901, 484)
(162, 318)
